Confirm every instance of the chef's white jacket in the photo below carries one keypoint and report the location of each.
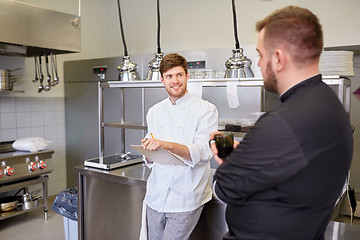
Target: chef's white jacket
(176, 188)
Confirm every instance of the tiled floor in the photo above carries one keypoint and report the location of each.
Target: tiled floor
(32, 226)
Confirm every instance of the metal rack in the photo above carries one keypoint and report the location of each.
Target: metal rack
(342, 83)
(18, 211)
(10, 91)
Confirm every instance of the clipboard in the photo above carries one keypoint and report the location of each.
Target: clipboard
(161, 156)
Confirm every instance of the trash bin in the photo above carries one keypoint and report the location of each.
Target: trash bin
(65, 204)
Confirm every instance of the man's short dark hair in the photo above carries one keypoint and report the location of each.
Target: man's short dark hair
(296, 28)
(172, 60)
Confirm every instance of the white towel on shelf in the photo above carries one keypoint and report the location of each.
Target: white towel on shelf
(143, 230)
(232, 94)
(31, 144)
(195, 88)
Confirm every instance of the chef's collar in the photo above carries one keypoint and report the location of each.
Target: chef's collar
(180, 100)
(307, 82)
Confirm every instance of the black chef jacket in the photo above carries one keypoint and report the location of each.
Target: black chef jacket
(284, 178)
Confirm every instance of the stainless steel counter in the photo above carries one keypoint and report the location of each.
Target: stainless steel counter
(110, 205)
(342, 231)
(133, 174)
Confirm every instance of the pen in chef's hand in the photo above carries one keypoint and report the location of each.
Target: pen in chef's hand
(145, 139)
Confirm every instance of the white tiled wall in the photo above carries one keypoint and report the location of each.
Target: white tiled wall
(37, 117)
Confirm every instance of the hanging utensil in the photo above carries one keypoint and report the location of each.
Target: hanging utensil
(48, 76)
(53, 83)
(41, 87)
(54, 70)
(36, 70)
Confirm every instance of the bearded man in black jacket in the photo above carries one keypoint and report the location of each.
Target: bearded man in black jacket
(282, 181)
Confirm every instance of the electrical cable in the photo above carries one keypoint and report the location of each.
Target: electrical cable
(122, 30)
(158, 25)
(237, 44)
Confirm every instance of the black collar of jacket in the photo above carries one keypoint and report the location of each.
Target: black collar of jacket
(304, 84)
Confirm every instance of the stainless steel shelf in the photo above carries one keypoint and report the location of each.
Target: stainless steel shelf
(336, 80)
(236, 134)
(216, 82)
(343, 93)
(19, 211)
(10, 91)
(125, 124)
(14, 186)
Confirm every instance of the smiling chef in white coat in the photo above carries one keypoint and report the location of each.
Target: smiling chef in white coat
(182, 124)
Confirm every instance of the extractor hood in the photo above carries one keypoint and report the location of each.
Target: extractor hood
(28, 30)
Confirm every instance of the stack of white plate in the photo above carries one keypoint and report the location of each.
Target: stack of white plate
(337, 63)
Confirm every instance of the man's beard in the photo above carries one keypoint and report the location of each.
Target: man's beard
(270, 81)
(176, 94)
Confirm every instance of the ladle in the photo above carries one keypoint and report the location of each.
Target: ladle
(41, 87)
(54, 70)
(36, 71)
(48, 76)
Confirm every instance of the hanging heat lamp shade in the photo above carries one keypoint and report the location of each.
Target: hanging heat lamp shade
(237, 66)
(154, 64)
(127, 69)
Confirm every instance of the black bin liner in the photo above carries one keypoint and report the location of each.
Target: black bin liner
(66, 205)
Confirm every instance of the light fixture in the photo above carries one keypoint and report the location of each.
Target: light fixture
(154, 67)
(127, 68)
(237, 66)
(154, 64)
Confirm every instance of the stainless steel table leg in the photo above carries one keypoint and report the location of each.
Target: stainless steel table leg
(45, 197)
(80, 190)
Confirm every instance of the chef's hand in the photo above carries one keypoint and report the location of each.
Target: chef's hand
(151, 144)
(214, 149)
(148, 161)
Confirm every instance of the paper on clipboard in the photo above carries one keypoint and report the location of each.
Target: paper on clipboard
(161, 156)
